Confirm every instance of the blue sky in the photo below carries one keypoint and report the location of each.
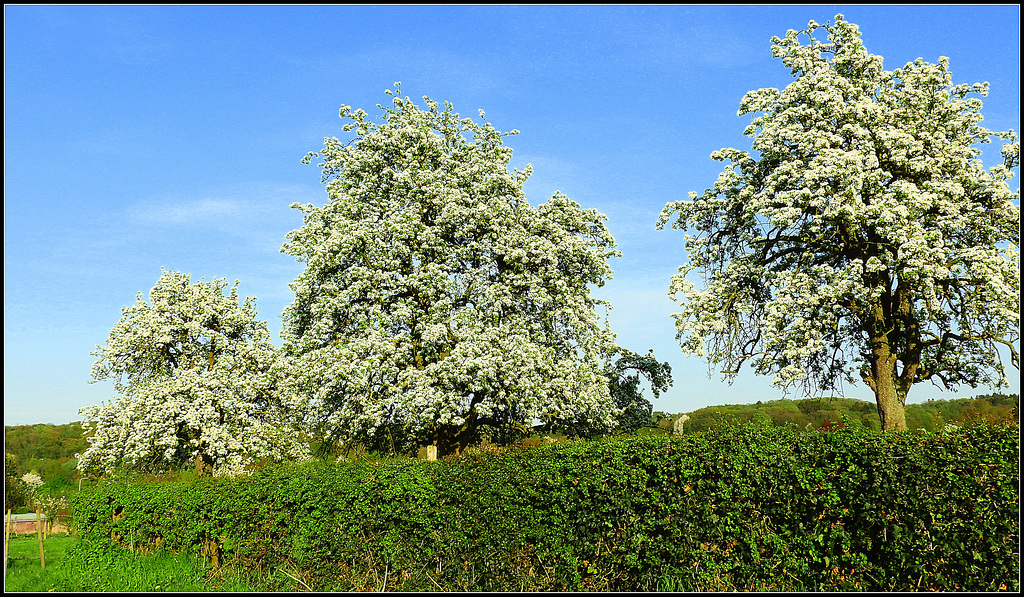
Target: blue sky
(137, 138)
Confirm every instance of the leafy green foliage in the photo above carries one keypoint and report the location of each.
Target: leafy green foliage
(49, 450)
(101, 565)
(14, 487)
(742, 507)
(818, 413)
(625, 389)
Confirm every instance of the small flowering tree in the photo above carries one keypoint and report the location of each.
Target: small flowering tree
(197, 382)
(436, 301)
(32, 483)
(35, 494)
(865, 240)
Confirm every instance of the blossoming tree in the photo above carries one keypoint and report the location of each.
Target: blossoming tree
(865, 239)
(197, 380)
(436, 301)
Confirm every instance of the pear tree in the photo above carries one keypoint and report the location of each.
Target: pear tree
(197, 382)
(862, 240)
(436, 302)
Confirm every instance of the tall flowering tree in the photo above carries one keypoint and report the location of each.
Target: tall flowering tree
(865, 239)
(436, 301)
(197, 383)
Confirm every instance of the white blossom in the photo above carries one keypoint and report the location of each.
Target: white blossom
(33, 481)
(435, 298)
(678, 425)
(865, 241)
(197, 382)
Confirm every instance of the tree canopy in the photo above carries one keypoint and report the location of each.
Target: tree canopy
(624, 386)
(436, 302)
(863, 239)
(195, 373)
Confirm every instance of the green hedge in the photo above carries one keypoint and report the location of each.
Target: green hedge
(750, 507)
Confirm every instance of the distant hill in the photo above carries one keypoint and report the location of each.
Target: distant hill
(47, 449)
(815, 413)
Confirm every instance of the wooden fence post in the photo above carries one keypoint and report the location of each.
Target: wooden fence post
(39, 533)
(7, 538)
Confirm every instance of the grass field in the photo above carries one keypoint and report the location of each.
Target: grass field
(85, 566)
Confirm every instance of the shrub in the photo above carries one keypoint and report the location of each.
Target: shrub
(745, 507)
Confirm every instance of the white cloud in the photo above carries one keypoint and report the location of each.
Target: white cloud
(196, 211)
(236, 208)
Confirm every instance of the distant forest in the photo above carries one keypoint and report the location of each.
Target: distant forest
(827, 413)
(49, 450)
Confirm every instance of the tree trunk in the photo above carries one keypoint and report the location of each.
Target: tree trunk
(452, 440)
(204, 464)
(891, 410)
(888, 398)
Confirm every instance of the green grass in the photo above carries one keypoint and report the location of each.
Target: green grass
(101, 566)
